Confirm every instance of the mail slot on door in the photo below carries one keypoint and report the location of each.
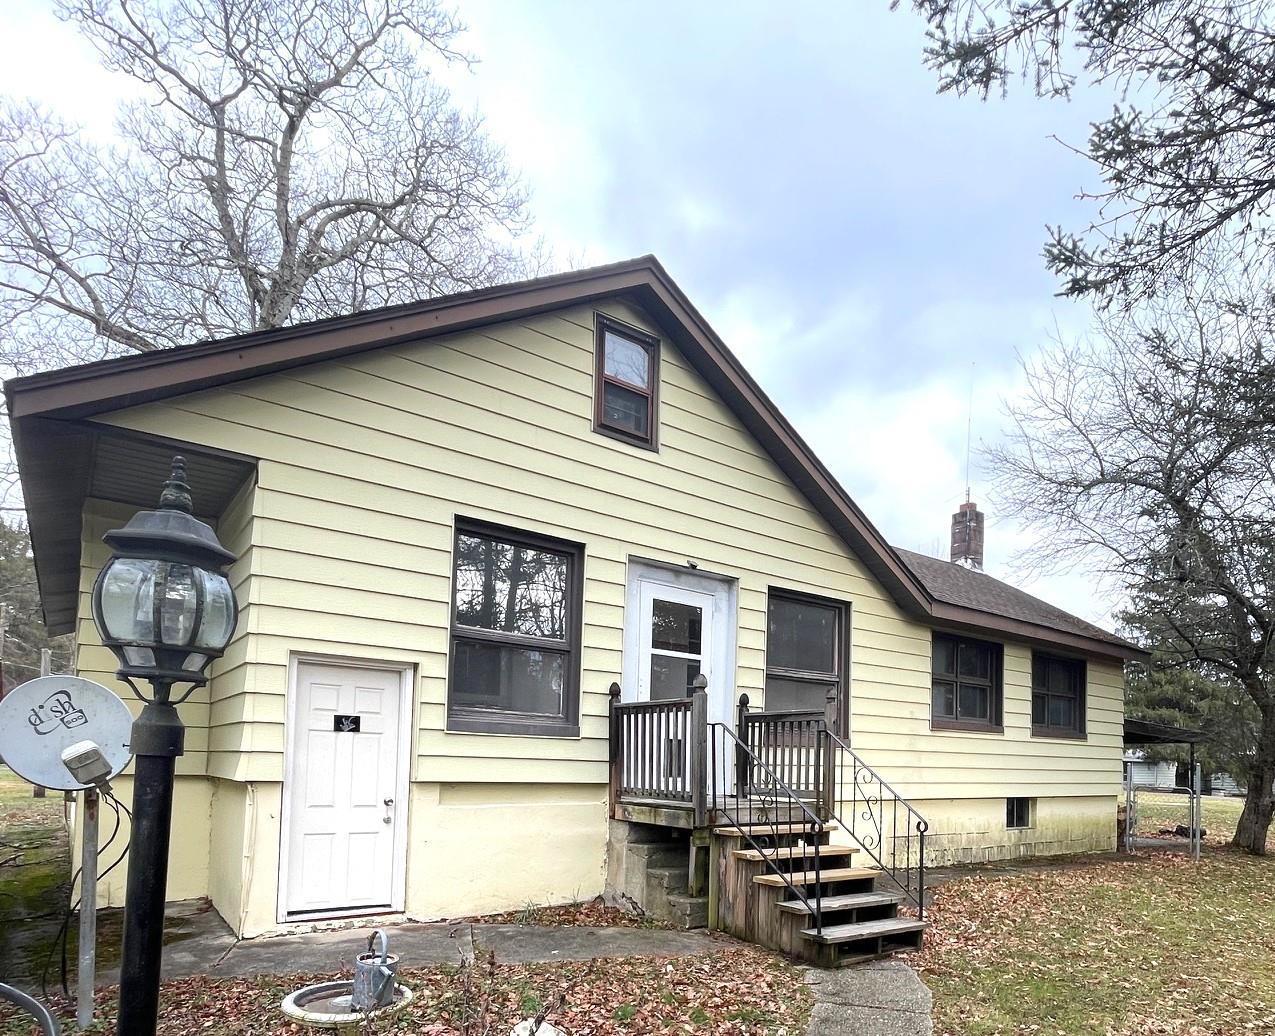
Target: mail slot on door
(343, 724)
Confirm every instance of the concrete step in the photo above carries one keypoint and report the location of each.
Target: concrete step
(658, 854)
(850, 901)
(670, 879)
(687, 911)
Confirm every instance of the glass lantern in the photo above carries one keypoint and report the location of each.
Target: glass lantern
(163, 603)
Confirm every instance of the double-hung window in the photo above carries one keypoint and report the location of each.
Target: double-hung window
(966, 684)
(626, 382)
(515, 644)
(805, 653)
(1058, 696)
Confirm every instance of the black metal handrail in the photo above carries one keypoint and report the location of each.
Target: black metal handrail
(745, 792)
(870, 797)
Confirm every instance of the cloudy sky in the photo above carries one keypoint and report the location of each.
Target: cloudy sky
(869, 248)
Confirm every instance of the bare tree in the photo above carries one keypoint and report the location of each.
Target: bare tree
(1152, 451)
(281, 160)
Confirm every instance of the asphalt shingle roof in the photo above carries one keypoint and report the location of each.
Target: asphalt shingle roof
(958, 585)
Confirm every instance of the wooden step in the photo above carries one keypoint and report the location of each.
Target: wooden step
(882, 928)
(825, 875)
(770, 830)
(851, 901)
(793, 852)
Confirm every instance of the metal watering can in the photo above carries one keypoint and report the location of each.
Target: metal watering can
(374, 975)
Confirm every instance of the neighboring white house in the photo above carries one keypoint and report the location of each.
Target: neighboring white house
(1144, 774)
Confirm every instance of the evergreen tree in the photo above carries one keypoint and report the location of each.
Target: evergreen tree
(19, 595)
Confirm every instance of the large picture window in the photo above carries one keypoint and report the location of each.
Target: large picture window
(515, 662)
(1058, 696)
(626, 382)
(805, 653)
(966, 684)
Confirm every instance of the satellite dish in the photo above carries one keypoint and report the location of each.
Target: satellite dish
(41, 718)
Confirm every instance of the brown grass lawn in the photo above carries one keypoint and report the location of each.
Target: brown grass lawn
(1149, 944)
(736, 991)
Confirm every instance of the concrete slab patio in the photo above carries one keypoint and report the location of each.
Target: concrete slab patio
(198, 942)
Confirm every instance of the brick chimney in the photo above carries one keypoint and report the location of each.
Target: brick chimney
(967, 536)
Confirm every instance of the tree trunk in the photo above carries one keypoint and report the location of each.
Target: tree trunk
(1250, 835)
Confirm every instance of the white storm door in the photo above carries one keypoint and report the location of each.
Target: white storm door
(342, 784)
(675, 645)
(676, 641)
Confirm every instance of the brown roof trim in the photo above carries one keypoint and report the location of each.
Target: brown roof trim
(126, 381)
(965, 619)
(78, 392)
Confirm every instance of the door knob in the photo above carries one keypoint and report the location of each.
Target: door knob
(386, 819)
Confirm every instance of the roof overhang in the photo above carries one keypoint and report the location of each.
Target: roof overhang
(64, 463)
(1146, 732)
(973, 620)
(38, 402)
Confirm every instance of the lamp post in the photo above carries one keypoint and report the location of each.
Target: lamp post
(164, 606)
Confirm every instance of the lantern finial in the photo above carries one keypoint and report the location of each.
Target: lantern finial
(176, 494)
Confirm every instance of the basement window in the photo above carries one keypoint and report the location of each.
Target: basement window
(626, 382)
(1018, 813)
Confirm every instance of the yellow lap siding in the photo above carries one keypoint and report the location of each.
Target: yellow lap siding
(366, 462)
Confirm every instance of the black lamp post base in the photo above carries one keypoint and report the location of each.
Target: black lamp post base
(157, 737)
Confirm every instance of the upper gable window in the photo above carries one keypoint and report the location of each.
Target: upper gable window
(626, 382)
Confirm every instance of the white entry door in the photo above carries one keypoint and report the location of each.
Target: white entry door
(342, 788)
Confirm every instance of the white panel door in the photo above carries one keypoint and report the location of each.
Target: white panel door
(341, 786)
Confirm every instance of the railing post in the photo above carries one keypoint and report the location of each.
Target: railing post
(741, 749)
(615, 755)
(826, 782)
(921, 828)
(699, 751)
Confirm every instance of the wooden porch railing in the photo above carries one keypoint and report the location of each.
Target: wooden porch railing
(659, 751)
(787, 744)
(790, 763)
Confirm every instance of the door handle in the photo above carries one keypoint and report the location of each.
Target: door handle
(387, 819)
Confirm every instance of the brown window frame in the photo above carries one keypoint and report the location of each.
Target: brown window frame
(995, 684)
(1080, 732)
(462, 719)
(841, 653)
(651, 345)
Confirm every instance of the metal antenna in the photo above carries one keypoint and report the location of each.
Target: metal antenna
(969, 425)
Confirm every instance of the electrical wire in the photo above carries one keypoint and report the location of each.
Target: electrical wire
(60, 939)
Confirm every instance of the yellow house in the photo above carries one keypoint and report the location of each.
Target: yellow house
(459, 523)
